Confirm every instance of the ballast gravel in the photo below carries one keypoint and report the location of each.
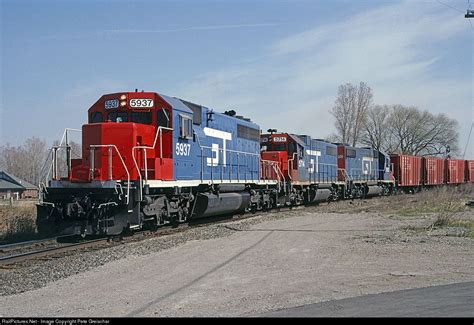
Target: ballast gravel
(36, 274)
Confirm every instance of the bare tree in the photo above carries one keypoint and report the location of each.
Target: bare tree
(24, 161)
(350, 111)
(416, 132)
(332, 138)
(375, 131)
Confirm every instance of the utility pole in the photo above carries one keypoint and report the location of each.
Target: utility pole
(469, 11)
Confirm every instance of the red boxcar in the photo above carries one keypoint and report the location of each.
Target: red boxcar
(407, 170)
(469, 171)
(433, 171)
(455, 171)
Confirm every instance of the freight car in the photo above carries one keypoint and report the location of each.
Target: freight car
(407, 171)
(469, 171)
(455, 169)
(412, 173)
(433, 171)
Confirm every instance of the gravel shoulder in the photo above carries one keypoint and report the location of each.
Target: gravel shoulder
(247, 267)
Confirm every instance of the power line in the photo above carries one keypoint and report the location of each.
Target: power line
(445, 4)
(468, 138)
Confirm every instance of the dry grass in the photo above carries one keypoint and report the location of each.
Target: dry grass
(447, 205)
(441, 201)
(17, 223)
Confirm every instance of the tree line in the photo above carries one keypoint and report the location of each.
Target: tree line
(27, 161)
(390, 128)
(358, 121)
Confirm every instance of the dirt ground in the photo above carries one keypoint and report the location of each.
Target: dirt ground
(277, 260)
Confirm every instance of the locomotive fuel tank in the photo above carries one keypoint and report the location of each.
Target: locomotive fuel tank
(320, 195)
(374, 191)
(209, 204)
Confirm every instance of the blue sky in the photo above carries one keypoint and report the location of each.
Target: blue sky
(278, 62)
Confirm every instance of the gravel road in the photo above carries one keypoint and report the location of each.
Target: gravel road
(244, 268)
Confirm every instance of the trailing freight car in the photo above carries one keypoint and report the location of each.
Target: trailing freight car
(407, 171)
(469, 171)
(455, 169)
(433, 171)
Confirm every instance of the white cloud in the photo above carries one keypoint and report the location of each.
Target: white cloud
(395, 49)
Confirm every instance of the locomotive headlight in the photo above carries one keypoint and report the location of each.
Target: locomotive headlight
(123, 103)
(123, 97)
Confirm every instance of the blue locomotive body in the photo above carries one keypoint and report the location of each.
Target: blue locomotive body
(213, 147)
(321, 160)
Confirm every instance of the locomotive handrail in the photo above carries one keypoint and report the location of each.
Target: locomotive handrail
(372, 175)
(273, 164)
(158, 132)
(292, 159)
(93, 146)
(277, 171)
(226, 150)
(65, 133)
(53, 164)
(345, 174)
(327, 172)
(42, 172)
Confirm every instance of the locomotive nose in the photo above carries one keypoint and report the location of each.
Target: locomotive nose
(107, 151)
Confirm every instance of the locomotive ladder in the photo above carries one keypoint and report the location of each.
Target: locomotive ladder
(159, 133)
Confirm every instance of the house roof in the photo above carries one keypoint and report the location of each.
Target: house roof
(8, 186)
(15, 181)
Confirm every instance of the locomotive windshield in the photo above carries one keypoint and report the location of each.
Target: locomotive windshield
(117, 117)
(141, 117)
(279, 147)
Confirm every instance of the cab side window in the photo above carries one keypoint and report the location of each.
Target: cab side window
(185, 126)
(162, 117)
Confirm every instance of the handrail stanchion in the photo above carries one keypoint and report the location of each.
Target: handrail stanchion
(238, 168)
(110, 163)
(222, 167)
(92, 159)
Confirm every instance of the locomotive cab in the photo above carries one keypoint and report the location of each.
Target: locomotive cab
(289, 151)
(120, 127)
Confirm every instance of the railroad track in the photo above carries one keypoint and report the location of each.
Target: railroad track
(48, 251)
(50, 248)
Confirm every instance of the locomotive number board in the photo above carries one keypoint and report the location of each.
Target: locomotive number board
(143, 103)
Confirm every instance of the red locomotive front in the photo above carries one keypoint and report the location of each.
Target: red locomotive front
(119, 125)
